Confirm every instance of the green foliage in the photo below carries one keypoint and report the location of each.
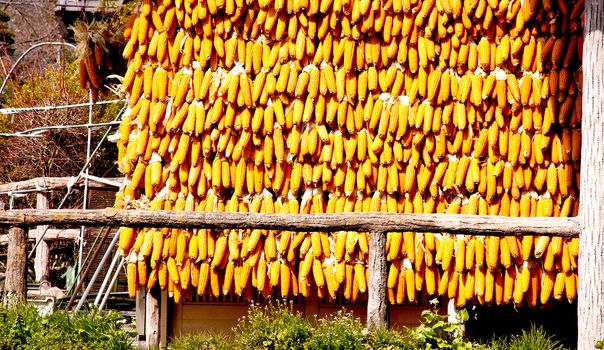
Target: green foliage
(385, 339)
(536, 338)
(338, 332)
(276, 326)
(201, 342)
(21, 328)
(436, 333)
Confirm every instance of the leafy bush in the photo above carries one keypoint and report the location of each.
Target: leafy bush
(339, 331)
(436, 333)
(276, 326)
(536, 338)
(386, 339)
(21, 328)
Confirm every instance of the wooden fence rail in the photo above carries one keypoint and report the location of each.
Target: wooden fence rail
(362, 222)
(50, 183)
(375, 223)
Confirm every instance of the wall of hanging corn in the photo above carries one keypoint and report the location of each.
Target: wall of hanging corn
(329, 106)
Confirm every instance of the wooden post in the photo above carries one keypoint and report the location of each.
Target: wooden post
(590, 313)
(42, 250)
(311, 304)
(140, 310)
(163, 320)
(151, 319)
(16, 266)
(377, 303)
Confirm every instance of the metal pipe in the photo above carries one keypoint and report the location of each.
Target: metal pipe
(98, 270)
(117, 273)
(85, 201)
(97, 300)
(93, 257)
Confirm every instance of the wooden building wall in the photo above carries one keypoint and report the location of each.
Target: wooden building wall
(190, 317)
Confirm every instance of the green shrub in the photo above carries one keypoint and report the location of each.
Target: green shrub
(22, 328)
(536, 338)
(386, 339)
(339, 331)
(16, 326)
(436, 333)
(276, 326)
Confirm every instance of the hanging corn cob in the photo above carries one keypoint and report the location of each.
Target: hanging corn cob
(327, 107)
(98, 43)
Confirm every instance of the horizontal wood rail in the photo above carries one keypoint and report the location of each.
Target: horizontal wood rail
(50, 183)
(52, 235)
(362, 222)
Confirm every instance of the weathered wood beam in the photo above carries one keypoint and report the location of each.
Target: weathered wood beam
(590, 308)
(363, 222)
(53, 234)
(49, 183)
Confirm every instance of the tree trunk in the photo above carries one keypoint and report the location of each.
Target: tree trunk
(42, 251)
(377, 303)
(16, 266)
(591, 214)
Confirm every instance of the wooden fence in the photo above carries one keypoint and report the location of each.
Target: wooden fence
(378, 224)
(589, 224)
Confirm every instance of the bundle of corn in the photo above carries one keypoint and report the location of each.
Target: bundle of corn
(98, 45)
(410, 106)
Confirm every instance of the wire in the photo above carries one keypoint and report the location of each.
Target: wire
(98, 146)
(9, 111)
(46, 43)
(36, 132)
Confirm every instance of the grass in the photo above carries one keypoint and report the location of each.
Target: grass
(534, 338)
